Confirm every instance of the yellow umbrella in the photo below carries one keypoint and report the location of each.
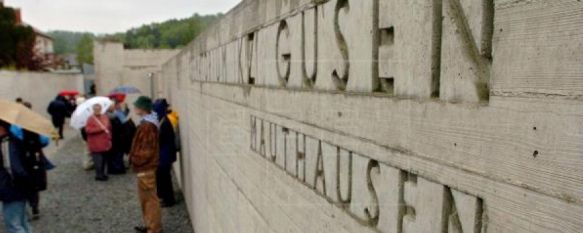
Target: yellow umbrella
(19, 115)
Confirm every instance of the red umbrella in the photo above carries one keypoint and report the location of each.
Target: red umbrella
(69, 93)
(118, 97)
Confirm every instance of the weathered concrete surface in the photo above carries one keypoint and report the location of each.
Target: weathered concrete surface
(384, 115)
(37, 88)
(116, 66)
(75, 203)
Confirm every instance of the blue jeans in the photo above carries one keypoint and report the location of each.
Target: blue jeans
(15, 217)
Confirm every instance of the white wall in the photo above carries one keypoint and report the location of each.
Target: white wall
(115, 66)
(480, 131)
(37, 88)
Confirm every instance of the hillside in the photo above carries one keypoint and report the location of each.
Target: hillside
(170, 34)
(173, 33)
(66, 41)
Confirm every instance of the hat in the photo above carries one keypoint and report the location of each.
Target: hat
(162, 102)
(161, 108)
(144, 103)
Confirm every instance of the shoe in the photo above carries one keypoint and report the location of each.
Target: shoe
(117, 173)
(105, 178)
(167, 204)
(35, 215)
(141, 229)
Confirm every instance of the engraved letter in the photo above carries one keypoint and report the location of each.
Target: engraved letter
(345, 202)
(320, 170)
(253, 133)
(462, 212)
(301, 156)
(423, 201)
(372, 212)
(250, 57)
(286, 133)
(466, 52)
(283, 54)
(262, 142)
(272, 141)
(341, 81)
(310, 79)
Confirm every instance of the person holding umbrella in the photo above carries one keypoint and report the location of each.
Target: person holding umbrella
(99, 136)
(16, 186)
(58, 110)
(79, 119)
(41, 163)
(17, 168)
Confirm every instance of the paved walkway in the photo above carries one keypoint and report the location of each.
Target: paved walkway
(75, 203)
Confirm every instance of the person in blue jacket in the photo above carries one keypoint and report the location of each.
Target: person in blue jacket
(42, 160)
(16, 181)
(46, 165)
(167, 155)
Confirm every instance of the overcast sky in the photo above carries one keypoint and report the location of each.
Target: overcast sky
(106, 16)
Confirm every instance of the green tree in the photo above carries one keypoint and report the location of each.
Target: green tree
(170, 34)
(17, 43)
(85, 50)
(66, 42)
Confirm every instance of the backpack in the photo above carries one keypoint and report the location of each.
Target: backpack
(35, 161)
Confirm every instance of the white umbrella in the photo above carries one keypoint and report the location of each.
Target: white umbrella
(85, 110)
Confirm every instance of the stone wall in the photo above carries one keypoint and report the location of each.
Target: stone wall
(384, 116)
(116, 66)
(37, 88)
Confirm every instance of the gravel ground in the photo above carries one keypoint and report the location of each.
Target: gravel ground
(75, 203)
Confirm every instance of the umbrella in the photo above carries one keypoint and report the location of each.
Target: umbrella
(23, 117)
(119, 97)
(69, 93)
(126, 90)
(85, 110)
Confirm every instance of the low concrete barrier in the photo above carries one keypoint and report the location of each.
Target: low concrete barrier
(37, 88)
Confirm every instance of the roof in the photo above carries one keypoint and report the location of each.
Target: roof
(40, 33)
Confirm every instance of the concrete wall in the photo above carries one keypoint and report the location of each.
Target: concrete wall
(37, 88)
(115, 66)
(384, 116)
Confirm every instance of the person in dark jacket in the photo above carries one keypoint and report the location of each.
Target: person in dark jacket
(34, 143)
(167, 155)
(20, 188)
(121, 111)
(71, 104)
(115, 162)
(59, 109)
(40, 162)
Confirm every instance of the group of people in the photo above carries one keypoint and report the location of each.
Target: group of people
(151, 146)
(23, 173)
(108, 137)
(152, 152)
(61, 108)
